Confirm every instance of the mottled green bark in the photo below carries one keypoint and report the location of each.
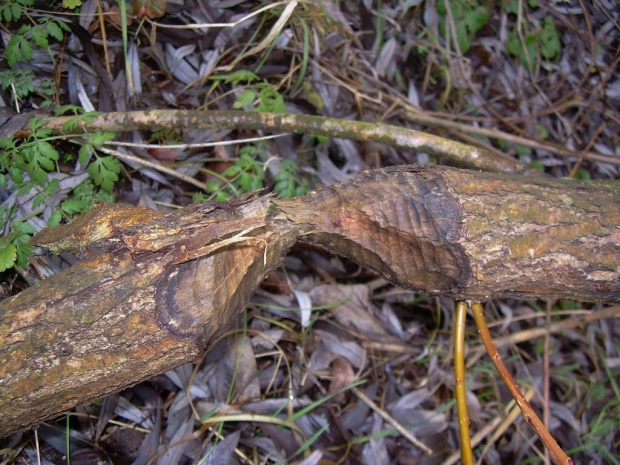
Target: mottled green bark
(447, 151)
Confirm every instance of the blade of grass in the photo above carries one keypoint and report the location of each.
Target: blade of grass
(300, 413)
(273, 34)
(310, 440)
(123, 7)
(304, 56)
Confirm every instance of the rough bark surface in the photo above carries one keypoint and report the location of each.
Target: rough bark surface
(470, 235)
(131, 311)
(155, 290)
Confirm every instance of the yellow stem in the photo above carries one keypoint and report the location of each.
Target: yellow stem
(467, 456)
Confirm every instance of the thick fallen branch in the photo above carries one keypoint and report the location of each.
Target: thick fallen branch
(154, 291)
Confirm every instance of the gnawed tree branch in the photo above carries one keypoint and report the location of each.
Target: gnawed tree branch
(472, 236)
(154, 290)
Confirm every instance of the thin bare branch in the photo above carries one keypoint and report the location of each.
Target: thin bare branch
(447, 151)
(528, 412)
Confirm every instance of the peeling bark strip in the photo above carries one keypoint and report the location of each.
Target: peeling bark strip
(155, 290)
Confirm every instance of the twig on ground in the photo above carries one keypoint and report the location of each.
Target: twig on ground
(528, 412)
(533, 333)
(429, 120)
(387, 417)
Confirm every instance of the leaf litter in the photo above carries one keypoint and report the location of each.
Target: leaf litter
(327, 358)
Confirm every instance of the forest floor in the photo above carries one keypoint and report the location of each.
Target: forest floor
(331, 346)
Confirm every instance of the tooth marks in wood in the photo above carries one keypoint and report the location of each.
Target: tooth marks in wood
(403, 223)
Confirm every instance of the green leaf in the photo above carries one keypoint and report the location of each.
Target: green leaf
(72, 206)
(54, 219)
(602, 428)
(245, 99)
(212, 186)
(598, 392)
(71, 4)
(47, 155)
(89, 116)
(16, 10)
(24, 250)
(8, 255)
(52, 187)
(221, 197)
(232, 170)
(99, 138)
(7, 143)
(36, 123)
(38, 158)
(70, 125)
(19, 79)
(549, 40)
(38, 200)
(242, 75)
(53, 28)
(64, 109)
(6, 11)
(512, 6)
(543, 132)
(39, 35)
(104, 171)
(522, 150)
(16, 173)
(271, 101)
(38, 175)
(85, 153)
(472, 22)
(537, 165)
(18, 49)
(526, 52)
(469, 18)
(582, 175)
(12, 10)
(198, 197)
(24, 189)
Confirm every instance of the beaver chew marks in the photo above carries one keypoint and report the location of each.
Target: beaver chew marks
(403, 222)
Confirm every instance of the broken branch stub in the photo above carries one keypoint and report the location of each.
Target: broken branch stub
(155, 290)
(132, 309)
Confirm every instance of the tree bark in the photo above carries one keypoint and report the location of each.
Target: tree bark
(447, 151)
(155, 290)
(470, 235)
